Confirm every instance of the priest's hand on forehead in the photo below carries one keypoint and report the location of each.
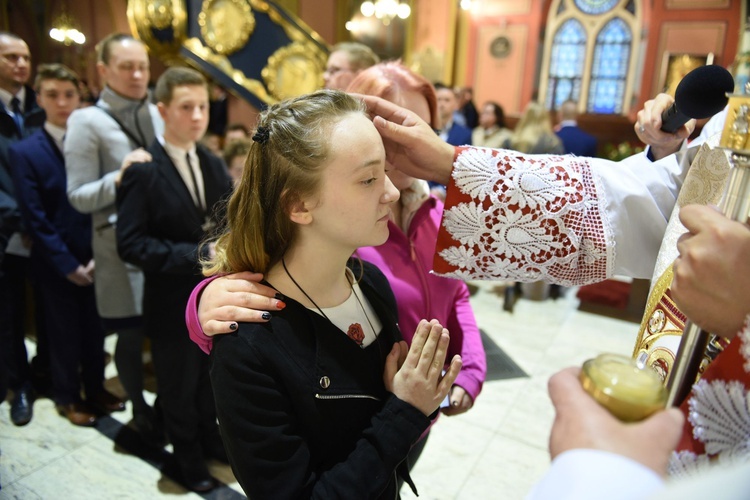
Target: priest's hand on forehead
(410, 143)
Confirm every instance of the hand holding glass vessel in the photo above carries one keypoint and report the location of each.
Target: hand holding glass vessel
(632, 392)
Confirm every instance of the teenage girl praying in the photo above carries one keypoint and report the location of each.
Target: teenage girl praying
(325, 399)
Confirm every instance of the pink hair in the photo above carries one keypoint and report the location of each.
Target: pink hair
(388, 79)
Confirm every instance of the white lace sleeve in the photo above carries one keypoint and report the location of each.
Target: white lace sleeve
(561, 219)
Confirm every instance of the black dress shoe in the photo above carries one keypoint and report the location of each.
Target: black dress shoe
(201, 485)
(22, 407)
(195, 474)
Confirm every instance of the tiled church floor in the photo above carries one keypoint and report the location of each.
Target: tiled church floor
(495, 451)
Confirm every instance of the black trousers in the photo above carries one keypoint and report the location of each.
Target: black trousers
(76, 339)
(185, 395)
(15, 279)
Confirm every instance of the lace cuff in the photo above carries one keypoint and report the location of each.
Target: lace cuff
(524, 218)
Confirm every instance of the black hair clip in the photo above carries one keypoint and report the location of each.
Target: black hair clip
(262, 134)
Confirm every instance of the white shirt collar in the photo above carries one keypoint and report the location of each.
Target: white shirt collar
(56, 132)
(175, 151)
(6, 97)
(447, 128)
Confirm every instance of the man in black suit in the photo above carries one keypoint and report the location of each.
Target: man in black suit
(165, 209)
(19, 117)
(20, 111)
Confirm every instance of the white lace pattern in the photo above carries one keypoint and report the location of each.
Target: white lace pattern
(719, 413)
(530, 218)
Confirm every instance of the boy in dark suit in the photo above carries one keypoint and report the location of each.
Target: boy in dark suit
(165, 208)
(450, 131)
(61, 255)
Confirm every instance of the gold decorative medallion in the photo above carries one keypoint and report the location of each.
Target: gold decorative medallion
(500, 47)
(160, 24)
(293, 70)
(226, 25)
(160, 13)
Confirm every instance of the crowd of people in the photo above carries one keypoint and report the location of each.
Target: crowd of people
(332, 346)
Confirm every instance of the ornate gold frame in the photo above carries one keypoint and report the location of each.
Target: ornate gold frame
(163, 26)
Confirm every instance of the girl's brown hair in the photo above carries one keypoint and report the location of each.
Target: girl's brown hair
(290, 145)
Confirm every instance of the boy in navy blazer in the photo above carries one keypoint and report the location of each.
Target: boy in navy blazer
(450, 131)
(61, 255)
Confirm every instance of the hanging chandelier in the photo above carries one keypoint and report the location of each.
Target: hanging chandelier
(65, 30)
(385, 10)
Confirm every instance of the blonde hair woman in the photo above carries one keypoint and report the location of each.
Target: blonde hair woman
(533, 133)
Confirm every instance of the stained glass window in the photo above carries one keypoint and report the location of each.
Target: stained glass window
(596, 6)
(566, 63)
(590, 47)
(609, 69)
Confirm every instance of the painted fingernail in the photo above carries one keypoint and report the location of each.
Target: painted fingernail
(278, 296)
(280, 304)
(266, 316)
(233, 326)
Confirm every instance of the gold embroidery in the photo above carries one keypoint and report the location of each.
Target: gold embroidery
(661, 320)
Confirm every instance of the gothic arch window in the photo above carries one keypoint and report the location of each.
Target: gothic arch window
(567, 62)
(589, 54)
(609, 70)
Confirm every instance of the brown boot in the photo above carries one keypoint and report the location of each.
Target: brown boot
(78, 414)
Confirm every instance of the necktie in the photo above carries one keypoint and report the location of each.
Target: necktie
(197, 195)
(15, 107)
